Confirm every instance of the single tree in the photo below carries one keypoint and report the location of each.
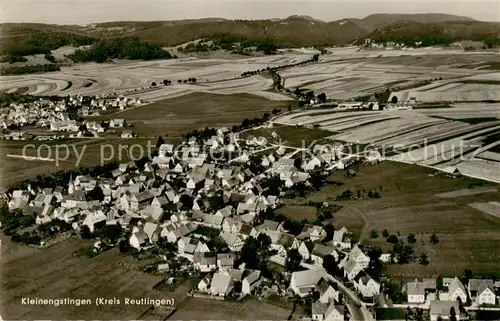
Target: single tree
(394, 99)
(374, 234)
(411, 238)
(153, 84)
(434, 239)
(453, 314)
(385, 233)
(85, 232)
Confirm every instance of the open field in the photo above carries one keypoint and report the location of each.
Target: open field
(207, 309)
(56, 273)
(409, 204)
(298, 212)
(196, 111)
(351, 73)
(220, 76)
(430, 137)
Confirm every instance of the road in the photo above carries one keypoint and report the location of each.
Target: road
(357, 309)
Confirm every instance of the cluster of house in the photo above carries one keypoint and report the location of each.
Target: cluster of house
(150, 202)
(53, 114)
(478, 292)
(329, 304)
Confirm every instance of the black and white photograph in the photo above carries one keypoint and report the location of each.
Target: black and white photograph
(232, 160)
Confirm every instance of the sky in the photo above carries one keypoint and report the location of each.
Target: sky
(91, 11)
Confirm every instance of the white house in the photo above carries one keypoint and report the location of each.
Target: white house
(234, 242)
(366, 285)
(204, 284)
(327, 293)
(205, 261)
(320, 251)
(482, 291)
(340, 239)
(221, 284)
(359, 257)
(303, 282)
(250, 282)
(415, 292)
(138, 239)
(116, 123)
(327, 312)
(457, 291)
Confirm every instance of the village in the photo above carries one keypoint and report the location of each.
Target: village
(206, 208)
(51, 118)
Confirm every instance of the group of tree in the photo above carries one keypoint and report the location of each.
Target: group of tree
(255, 252)
(44, 42)
(30, 69)
(120, 48)
(200, 135)
(14, 219)
(230, 42)
(197, 47)
(186, 81)
(273, 70)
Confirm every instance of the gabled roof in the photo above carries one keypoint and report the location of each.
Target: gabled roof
(268, 225)
(309, 245)
(252, 277)
(415, 288)
(307, 277)
(221, 283)
(456, 284)
(480, 285)
(322, 250)
(319, 308)
(205, 258)
(225, 259)
(150, 229)
(286, 240)
(322, 286)
(246, 229)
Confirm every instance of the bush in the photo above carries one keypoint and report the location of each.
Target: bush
(393, 239)
(434, 239)
(411, 238)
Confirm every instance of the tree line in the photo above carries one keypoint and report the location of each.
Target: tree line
(31, 69)
(42, 43)
(120, 48)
